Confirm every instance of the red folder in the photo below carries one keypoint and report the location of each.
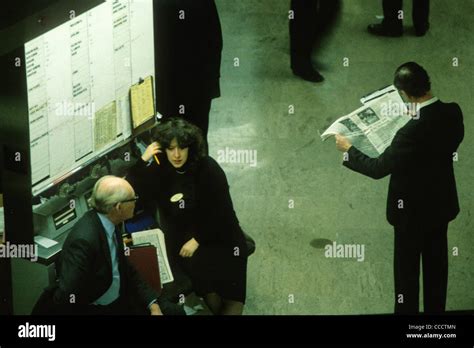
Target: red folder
(145, 260)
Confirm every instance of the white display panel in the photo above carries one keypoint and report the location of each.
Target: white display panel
(78, 77)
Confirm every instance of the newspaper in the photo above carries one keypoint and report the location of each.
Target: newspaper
(157, 238)
(376, 94)
(372, 127)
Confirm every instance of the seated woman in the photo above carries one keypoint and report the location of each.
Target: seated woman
(202, 232)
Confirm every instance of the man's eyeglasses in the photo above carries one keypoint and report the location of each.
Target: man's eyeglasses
(130, 200)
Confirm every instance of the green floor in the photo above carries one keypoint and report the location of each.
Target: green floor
(289, 273)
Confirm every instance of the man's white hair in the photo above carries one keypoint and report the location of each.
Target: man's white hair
(105, 197)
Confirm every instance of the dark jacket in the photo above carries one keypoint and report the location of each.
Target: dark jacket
(420, 161)
(187, 52)
(213, 221)
(85, 268)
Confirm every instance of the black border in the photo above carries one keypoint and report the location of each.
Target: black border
(356, 329)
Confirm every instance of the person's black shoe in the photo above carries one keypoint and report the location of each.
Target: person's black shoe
(382, 30)
(421, 31)
(308, 74)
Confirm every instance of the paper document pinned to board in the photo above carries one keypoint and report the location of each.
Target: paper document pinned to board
(372, 127)
(105, 126)
(156, 238)
(141, 99)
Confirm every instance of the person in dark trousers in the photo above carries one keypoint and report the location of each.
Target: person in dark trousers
(188, 45)
(203, 235)
(308, 20)
(95, 277)
(422, 197)
(392, 24)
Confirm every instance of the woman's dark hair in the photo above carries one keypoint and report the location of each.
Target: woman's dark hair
(413, 79)
(185, 133)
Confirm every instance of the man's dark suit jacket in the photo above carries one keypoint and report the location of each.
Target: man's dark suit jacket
(420, 161)
(187, 52)
(85, 268)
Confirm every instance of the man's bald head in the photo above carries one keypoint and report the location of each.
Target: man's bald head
(108, 191)
(413, 79)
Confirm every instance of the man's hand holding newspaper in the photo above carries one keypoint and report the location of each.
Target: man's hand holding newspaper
(372, 127)
(342, 143)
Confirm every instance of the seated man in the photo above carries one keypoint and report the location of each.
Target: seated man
(95, 277)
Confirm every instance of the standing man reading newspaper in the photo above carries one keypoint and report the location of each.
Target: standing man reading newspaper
(422, 197)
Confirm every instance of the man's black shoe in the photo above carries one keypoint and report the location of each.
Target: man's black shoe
(382, 30)
(308, 74)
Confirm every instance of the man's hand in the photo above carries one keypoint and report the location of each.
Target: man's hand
(155, 309)
(189, 248)
(151, 150)
(342, 144)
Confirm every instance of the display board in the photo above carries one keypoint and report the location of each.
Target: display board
(78, 77)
